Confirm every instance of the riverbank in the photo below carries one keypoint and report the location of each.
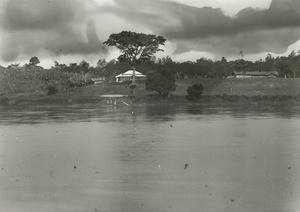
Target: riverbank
(215, 90)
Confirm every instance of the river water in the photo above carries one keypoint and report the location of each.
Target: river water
(149, 158)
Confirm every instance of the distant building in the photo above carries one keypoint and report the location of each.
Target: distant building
(98, 80)
(128, 75)
(255, 74)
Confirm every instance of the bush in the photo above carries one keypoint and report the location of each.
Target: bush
(80, 80)
(51, 89)
(132, 86)
(162, 81)
(194, 92)
(4, 99)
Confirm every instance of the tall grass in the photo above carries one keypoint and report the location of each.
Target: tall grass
(38, 81)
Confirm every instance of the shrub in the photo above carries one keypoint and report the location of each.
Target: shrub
(162, 81)
(4, 99)
(51, 89)
(194, 92)
(132, 86)
(80, 80)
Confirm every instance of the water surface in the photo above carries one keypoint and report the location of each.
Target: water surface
(87, 158)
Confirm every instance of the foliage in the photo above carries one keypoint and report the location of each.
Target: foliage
(294, 63)
(80, 80)
(288, 66)
(83, 67)
(283, 68)
(38, 81)
(135, 47)
(34, 61)
(240, 65)
(132, 86)
(84, 64)
(33, 79)
(162, 81)
(14, 66)
(51, 89)
(59, 66)
(194, 92)
(165, 60)
(101, 63)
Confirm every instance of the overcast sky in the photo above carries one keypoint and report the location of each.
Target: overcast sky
(72, 30)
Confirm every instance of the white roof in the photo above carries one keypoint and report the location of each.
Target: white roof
(129, 73)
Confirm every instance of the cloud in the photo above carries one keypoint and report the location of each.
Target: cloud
(76, 27)
(230, 7)
(36, 14)
(59, 27)
(209, 29)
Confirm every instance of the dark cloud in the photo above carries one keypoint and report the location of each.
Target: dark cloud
(209, 29)
(73, 27)
(56, 26)
(69, 41)
(281, 14)
(38, 14)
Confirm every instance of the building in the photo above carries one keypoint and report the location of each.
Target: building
(255, 74)
(98, 80)
(127, 76)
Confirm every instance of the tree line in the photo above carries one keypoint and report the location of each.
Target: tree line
(137, 53)
(286, 66)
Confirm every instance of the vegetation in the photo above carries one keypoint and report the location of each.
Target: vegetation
(32, 79)
(34, 61)
(162, 81)
(288, 67)
(135, 47)
(51, 89)
(194, 92)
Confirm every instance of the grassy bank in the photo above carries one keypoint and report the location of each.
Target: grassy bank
(31, 86)
(36, 81)
(244, 87)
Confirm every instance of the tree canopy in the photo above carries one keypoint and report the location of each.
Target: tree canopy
(84, 64)
(135, 47)
(34, 61)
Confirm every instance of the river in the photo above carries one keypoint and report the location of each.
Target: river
(149, 158)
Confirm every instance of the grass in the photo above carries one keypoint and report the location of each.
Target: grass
(244, 87)
(35, 81)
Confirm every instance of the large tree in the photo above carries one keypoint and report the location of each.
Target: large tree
(288, 66)
(135, 47)
(294, 63)
(34, 61)
(85, 65)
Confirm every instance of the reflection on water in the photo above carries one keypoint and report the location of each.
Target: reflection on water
(88, 157)
(31, 114)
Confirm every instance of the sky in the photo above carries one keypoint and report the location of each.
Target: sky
(69, 31)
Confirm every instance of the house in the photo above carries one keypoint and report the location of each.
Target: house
(255, 74)
(127, 76)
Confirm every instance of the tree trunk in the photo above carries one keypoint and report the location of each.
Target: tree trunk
(133, 82)
(133, 75)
